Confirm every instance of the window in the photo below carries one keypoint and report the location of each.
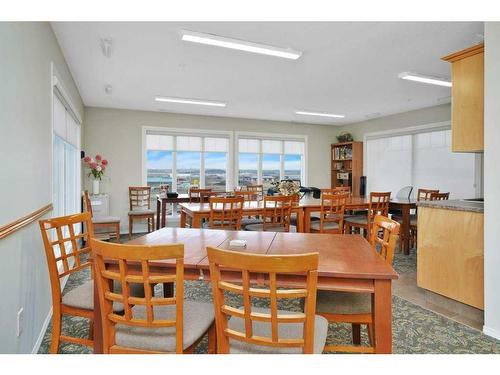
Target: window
(422, 160)
(65, 159)
(184, 160)
(265, 161)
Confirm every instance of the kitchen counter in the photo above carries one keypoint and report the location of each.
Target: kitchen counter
(454, 204)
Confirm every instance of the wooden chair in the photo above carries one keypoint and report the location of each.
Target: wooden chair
(379, 205)
(64, 250)
(109, 224)
(276, 215)
(425, 194)
(332, 213)
(259, 189)
(195, 194)
(206, 195)
(140, 207)
(439, 196)
(356, 308)
(225, 213)
(250, 196)
(257, 330)
(422, 195)
(149, 324)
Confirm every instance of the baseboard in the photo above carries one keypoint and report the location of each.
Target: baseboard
(39, 340)
(491, 332)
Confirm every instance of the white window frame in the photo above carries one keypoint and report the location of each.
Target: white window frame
(271, 136)
(412, 130)
(203, 133)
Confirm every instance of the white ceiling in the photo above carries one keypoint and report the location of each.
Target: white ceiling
(348, 68)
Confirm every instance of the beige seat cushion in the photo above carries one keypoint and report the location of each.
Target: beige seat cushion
(285, 330)
(356, 219)
(198, 316)
(343, 302)
(269, 227)
(141, 212)
(249, 221)
(82, 297)
(217, 224)
(106, 219)
(328, 225)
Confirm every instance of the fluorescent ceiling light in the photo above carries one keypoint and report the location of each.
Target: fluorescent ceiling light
(425, 79)
(190, 101)
(321, 114)
(220, 41)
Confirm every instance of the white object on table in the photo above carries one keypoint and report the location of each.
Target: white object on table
(238, 243)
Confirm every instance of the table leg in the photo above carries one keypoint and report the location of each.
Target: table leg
(196, 221)
(164, 214)
(98, 344)
(382, 316)
(300, 220)
(183, 219)
(158, 204)
(307, 220)
(405, 230)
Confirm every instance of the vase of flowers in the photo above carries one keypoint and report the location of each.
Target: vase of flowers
(97, 167)
(290, 189)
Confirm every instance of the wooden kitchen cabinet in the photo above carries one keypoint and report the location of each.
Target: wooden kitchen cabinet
(467, 103)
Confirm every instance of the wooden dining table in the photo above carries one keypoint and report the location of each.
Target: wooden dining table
(307, 205)
(346, 263)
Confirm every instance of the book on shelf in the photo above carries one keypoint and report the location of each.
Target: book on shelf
(342, 153)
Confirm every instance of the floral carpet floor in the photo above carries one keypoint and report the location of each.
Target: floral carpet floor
(415, 329)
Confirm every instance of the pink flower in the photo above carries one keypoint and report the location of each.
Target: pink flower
(98, 157)
(86, 159)
(103, 168)
(93, 165)
(104, 162)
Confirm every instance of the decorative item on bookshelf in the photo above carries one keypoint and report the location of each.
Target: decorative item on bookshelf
(344, 137)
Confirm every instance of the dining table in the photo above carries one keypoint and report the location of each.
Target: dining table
(195, 213)
(162, 200)
(347, 263)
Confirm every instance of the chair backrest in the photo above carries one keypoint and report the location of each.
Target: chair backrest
(63, 243)
(225, 213)
(344, 189)
(248, 195)
(194, 193)
(206, 195)
(139, 197)
(332, 209)
(425, 194)
(272, 265)
(379, 205)
(385, 234)
(113, 263)
(404, 193)
(277, 211)
(87, 204)
(259, 189)
(439, 196)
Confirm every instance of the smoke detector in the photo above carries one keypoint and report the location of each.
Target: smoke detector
(106, 46)
(108, 89)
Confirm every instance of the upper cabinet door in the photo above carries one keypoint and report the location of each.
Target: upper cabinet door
(467, 116)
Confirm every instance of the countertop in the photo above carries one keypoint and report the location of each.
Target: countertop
(454, 204)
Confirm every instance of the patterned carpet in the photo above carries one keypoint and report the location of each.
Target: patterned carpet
(415, 330)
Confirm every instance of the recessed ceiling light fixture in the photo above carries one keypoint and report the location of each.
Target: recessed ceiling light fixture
(424, 79)
(321, 114)
(190, 101)
(241, 45)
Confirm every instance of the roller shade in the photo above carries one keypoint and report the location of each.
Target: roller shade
(216, 144)
(159, 142)
(248, 145)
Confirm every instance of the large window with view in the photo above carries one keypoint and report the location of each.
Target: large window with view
(182, 161)
(267, 161)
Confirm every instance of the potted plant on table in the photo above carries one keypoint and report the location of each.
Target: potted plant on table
(97, 168)
(289, 188)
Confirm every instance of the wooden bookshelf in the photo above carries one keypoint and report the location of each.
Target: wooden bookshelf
(347, 165)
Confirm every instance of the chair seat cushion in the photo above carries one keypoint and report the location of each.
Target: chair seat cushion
(250, 220)
(106, 219)
(269, 228)
(82, 297)
(198, 316)
(343, 302)
(285, 330)
(327, 225)
(141, 212)
(218, 224)
(356, 219)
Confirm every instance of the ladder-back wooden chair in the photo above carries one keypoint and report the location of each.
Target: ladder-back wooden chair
(251, 197)
(379, 205)
(225, 213)
(332, 213)
(356, 308)
(65, 254)
(149, 324)
(259, 189)
(275, 216)
(439, 196)
(422, 195)
(140, 207)
(206, 195)
(109, 224)
(425, 194)
(257, 330)
(194, 194)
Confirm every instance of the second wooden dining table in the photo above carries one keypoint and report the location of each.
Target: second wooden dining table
(346, 263)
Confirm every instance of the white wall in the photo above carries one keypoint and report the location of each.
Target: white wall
(28, 49)
(492, 180)
(117, 133)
